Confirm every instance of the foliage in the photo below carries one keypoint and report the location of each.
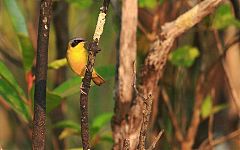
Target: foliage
(81, 4)
(100, 121)
(223, 17)
(184, 56)
(71, 128)
(20, 27)
(57, 63)
(207, 107)
(149, 3)
(71, 86)
(12, 93)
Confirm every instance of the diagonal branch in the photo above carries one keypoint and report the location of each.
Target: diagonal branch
(173, 117)
(93, 49)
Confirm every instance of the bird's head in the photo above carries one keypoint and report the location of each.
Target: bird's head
(76, 41)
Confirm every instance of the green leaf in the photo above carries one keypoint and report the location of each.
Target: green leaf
(16, 16)
(184, 56)
(67, 132)
(8, 76)
(27, 52)
(219, 108)
(148, 3)
(107, 71)
(75, 148)
(68, 124)
(81, 4)
(100, 121)
(56, 64)
(207, 107)
(12, 98)
(224, 17)
(69, 87)
(20, 27)
(72, 85)
(70, 128)
(52, 100)
(107, 138)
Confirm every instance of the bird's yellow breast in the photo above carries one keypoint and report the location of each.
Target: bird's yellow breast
(77, 58)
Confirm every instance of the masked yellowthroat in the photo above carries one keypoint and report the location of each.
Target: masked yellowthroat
(77, 56)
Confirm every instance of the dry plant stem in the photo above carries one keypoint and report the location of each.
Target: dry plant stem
(126, 57)
(93, 49)
(206, 145)
(156, 140)
(147, 107)
(173, 117)
(225, 138)
(39, 121)
(157, 57)
(210, 128)
(218, 41)
(154, 64)
(192, 130)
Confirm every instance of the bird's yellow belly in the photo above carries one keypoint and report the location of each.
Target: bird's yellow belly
(77, 62)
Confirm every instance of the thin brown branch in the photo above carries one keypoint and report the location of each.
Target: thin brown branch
(156, 140)
(226, 138)
(218, 41)
(192, 130)
(93, 49)
(173, 117)
(150, 36)
(39, 120)
(206, 145)
(210, 127)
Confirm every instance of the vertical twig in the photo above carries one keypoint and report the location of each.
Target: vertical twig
(125, 56)
(39, 121)
(93, 49)
(147, 108)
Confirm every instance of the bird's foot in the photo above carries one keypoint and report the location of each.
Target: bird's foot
(93, 46)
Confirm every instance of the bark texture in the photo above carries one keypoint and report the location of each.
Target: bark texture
(125, 77)
(39, 121)
(93, 50)
(153, 70)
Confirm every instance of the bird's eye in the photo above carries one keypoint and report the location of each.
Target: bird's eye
(75, 42)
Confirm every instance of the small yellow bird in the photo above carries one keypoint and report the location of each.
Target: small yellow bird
(77, 56)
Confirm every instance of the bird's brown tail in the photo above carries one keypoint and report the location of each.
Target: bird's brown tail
(97, 79)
